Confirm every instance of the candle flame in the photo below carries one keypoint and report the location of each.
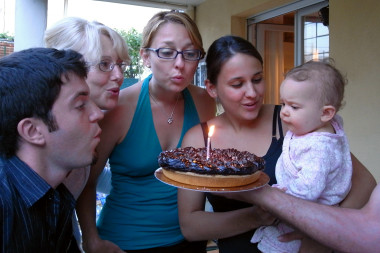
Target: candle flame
(211, 131)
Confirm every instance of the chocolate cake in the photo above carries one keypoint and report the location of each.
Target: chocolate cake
(225, 167)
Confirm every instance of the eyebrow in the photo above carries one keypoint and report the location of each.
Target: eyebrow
(83, 93)
(171, 44)
(80, 94)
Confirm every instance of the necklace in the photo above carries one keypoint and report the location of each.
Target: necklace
(170, 119)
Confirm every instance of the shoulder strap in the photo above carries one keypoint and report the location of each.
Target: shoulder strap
(205, 131)
(280, 123)
(277, 119)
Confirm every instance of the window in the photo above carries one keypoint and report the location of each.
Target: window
(312, 34)
(200, 75)
(286, 37)
(316, 40)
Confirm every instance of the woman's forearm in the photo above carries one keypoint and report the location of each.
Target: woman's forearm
(201, 225)
(363, 184)
(86, 211)
(196, 224)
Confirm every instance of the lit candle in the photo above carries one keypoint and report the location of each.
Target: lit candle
(210, 133)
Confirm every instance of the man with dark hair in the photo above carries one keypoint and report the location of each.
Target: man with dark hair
(48, 127)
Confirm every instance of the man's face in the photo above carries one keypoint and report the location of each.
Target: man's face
(73, 144)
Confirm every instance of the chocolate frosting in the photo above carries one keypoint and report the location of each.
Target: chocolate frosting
(221, 161)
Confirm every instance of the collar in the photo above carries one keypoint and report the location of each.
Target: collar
(29, 184)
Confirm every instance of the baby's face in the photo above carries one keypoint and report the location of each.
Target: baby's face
(301, 106)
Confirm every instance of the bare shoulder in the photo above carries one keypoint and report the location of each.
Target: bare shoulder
(206, 106)
(267, 113)
(267, 110)
(117, 121)
(130, 94)
(193, 137)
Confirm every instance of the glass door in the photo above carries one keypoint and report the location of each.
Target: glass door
(312, 33)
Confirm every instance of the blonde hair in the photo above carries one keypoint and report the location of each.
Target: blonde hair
(164, 17)
(84, 37)
(330, 81)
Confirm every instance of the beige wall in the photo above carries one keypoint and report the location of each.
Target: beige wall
(354, 44)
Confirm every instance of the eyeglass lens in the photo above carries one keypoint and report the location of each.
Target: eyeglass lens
(108, 66)
(168, 53)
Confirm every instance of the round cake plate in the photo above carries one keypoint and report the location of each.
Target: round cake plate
(263, 180)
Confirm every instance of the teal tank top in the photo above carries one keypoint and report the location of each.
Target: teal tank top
(141, 212)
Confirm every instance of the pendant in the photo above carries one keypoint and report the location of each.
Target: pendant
(170, 120)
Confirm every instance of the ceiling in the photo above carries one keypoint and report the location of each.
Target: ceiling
(165, 4)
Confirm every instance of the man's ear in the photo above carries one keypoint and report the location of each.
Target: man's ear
(328, 112)
(211, 89)
(30, 130)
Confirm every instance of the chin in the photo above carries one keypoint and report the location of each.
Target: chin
(252, 116)
(109, 105)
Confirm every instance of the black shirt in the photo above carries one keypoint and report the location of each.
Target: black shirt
(241, 243)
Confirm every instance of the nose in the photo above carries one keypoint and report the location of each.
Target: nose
(251, 91)
(96, 114)
(284, 111)
(179, 61)
(117, 74)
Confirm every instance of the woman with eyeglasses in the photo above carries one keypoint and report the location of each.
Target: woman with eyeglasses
(104, 50)
(106, 53)
(140, 214)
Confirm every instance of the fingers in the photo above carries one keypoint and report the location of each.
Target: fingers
(295, 235)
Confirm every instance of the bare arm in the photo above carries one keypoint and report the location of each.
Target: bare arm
(344, 229)
(197, 224)
(86, 205)
(206, 106)
(363, 184)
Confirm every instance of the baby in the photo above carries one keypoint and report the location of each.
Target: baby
(315, 163)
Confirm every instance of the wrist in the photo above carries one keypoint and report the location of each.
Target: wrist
(89, 243)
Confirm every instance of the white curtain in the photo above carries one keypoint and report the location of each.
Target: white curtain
(273, 66)
(277, 56)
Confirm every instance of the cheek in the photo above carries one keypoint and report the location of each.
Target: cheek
(96, 80)
(159, 69)
(192, 68)
(261, 89)
(230, 95)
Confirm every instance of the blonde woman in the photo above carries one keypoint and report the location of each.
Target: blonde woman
(106, 54)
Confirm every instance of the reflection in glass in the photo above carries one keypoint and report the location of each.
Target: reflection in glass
(316, 38)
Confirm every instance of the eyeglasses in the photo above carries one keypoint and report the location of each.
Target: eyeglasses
(108, 66)
(169, 53)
